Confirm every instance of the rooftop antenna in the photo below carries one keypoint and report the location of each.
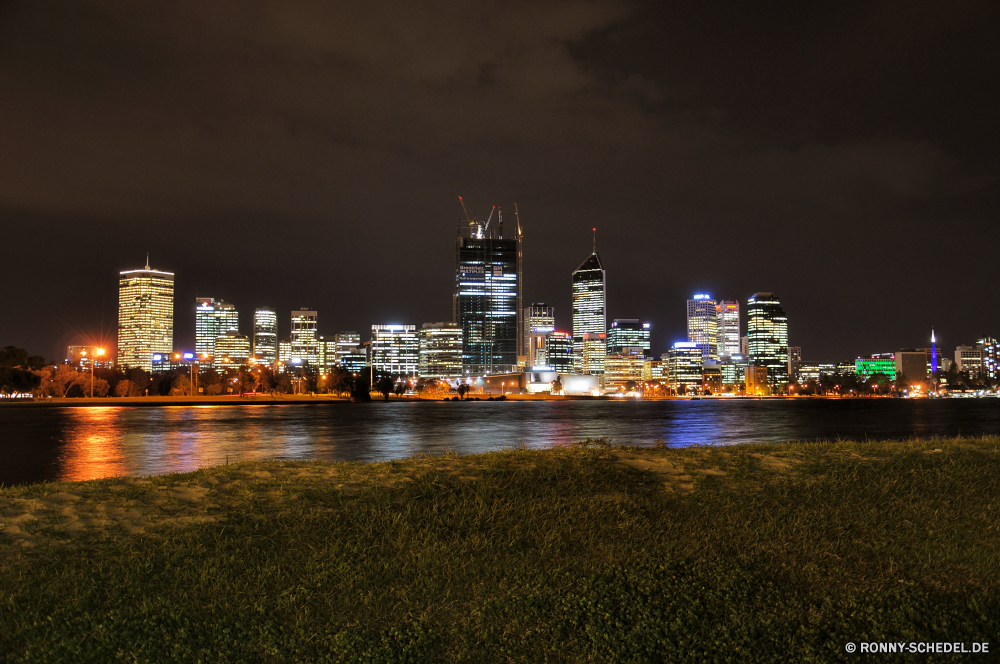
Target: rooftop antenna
(147, 260)
(595, 239)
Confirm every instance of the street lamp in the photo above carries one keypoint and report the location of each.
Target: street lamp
(93, 365)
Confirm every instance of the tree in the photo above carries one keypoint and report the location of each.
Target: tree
(245, 381)
(16, 381)
(463, 389)
(557, 386)
(19, 358)
(360, 389)
(385, 385)
(181, 387)
(124, 388)
(266, 380)
(399, 388)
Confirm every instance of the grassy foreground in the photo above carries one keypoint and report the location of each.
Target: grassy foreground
(591, 553)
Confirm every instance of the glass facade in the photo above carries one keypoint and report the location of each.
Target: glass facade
(395, 349)
(595, 349)
(305, 338)
(211, 320)
(265, 335)
(728, 315)
(440, 350)
(620, 369)
(684, 363)
(145, 317)
(486, 300)
(767, 336)
(539, 322)
(733, 370)
(703, 325)
(589, 313)
(628, 333)
(559, 347)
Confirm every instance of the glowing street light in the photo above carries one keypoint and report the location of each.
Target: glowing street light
(93, 365)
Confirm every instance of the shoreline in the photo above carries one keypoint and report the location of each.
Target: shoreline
(302, 399)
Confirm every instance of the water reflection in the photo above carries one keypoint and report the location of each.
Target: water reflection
(81, 443)
(93, 447)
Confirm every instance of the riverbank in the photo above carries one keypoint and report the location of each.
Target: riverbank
(747, 553)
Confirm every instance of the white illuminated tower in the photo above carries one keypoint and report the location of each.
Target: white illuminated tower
(589, 313)
(304, 337)
(767, 336)
(703, 325)
(728, 315)
(145, 316)
(265, 335)
(211, 320)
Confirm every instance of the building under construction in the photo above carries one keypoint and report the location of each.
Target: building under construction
(487, 301)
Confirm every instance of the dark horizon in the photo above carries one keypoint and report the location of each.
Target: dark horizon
(295, 155)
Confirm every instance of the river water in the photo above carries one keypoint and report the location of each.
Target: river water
(38, 444)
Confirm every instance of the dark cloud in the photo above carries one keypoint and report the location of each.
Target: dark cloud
(296, 153)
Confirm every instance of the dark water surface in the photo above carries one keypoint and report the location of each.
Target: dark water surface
(83, 443)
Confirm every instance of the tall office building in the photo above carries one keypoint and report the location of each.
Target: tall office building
(969, 359)
(265, 335)
(685, 361)
(348, 343)
(559, 352)
(794, 360)
(628, 333)
(486, 303)
(991, 355)
(231, 349)
(728, 315)
(440, 350)
(395, 349)
(538, 315)
(211, 320)
(767, 336)
(595, 350)
(589, 309)
(305, 337)
(145, 316)
(703, 325)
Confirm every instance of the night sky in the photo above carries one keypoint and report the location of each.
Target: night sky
(312, 154)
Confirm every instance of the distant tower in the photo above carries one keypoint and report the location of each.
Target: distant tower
(934, 363)
(767, 336)
(145, 316)
(589, 311)
(487, 294)
(729, 327)
(703, 325)
(265, 335)
(212, 320)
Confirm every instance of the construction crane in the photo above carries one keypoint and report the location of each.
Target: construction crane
(471, 220)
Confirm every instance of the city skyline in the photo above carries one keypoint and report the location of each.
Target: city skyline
(262, 182)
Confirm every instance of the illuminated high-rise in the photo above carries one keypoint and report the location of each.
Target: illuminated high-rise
(589, 312)
(487, 297)
(145, 316)
(559, 352)
(395, 349)
(767, 336)
(626, 333)
(703, 325)
(539, 324)
(440, 350)
(305, 337)
(265, 335)
(991, 356)
(211, 320)
(728, 315)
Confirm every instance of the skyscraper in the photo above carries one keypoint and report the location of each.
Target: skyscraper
(559, 352)
(145, 316)
(440, 350)
(304, 338)
(265, 335)
(628, 333)
(703, 325)
(728, 314)
(589, 308)
(487, 297)
(767, 336)
(395, 349)
(991, 355)
(211, 320)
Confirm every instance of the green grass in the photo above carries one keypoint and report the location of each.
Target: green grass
(742, 554)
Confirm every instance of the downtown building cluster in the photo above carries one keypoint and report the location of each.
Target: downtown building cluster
(495, 343)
